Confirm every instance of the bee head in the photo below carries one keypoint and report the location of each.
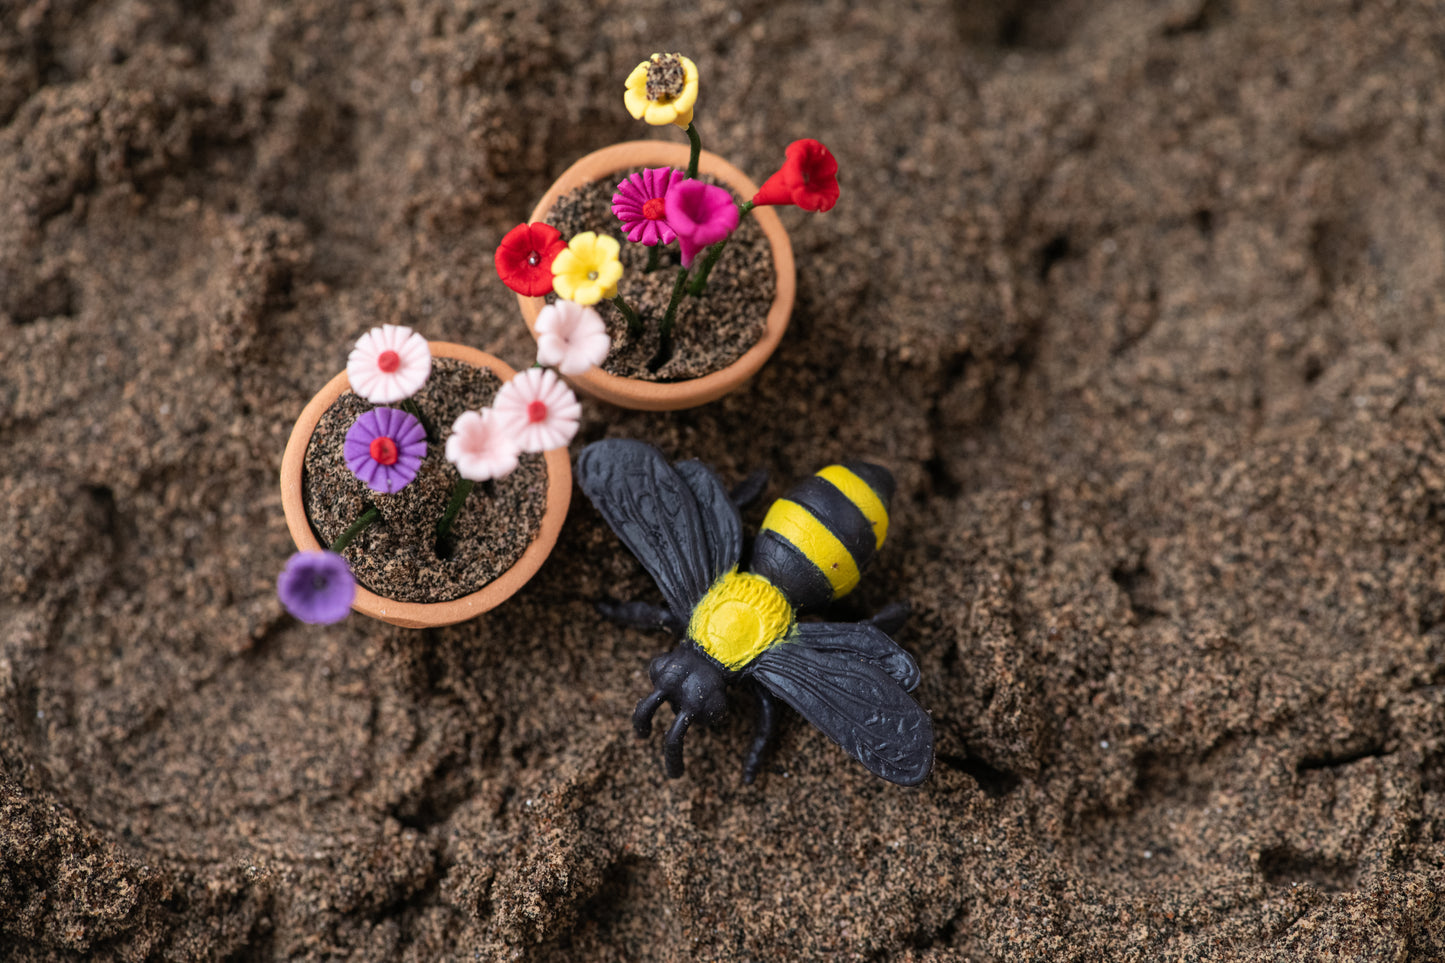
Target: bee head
(691, 683)
(694, 685)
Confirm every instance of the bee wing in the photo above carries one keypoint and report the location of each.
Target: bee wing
(865, 640)
(855, 703)
(654, 511)
(720, 519)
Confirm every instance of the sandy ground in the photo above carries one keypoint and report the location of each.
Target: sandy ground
(1143, 302)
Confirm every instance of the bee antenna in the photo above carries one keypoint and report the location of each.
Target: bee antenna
(646, 709)
(672, 747)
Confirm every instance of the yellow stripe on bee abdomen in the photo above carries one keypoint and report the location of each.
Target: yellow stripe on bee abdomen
(811, 537)
(857, 491)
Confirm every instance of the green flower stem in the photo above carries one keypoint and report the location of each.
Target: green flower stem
(696, 150)
(634, 323)
(654, 259)
(409, 405)
(460, 491)
(699, 282)
(665, 329)
(357, 527)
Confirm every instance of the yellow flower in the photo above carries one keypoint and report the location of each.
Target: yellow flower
(588, 270)
(662, 90)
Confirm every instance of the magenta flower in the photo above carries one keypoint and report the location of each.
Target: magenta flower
(316, 587)
(700, 214)
(640, 203)
(384, 448)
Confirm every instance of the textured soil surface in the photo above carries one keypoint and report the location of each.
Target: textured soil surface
(1143, 303)
(711, 331)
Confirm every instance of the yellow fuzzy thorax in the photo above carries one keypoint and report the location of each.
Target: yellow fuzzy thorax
(741, 616)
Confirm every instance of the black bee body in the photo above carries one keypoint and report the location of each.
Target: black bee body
(849, 679)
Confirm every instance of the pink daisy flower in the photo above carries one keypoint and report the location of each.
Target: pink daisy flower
(571, 337)
(481, 446)
(641, 206)
(388, 364)
(540, 409)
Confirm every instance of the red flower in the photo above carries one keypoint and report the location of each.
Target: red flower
(524, 258)
(809, 179)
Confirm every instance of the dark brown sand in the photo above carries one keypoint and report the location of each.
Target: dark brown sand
(1143, 302)
(710, 331)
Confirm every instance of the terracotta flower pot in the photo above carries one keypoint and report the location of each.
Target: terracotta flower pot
(670, 396)
(417, 615)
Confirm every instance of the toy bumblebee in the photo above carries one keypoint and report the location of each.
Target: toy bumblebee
(847, 678)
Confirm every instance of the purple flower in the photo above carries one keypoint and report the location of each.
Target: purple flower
(700, 214)
(316, 587)
(384, 448)
(641, 206)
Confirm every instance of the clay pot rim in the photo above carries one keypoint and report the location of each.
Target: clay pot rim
(671, 396)
(416, 615)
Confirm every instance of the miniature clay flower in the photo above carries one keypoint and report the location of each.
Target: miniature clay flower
(808, 179)
(388, 364)
(541, 410)
(384, 447)
(524, 258)
(482, 446)
(701, 214)
(662, 90)
(316, 587)
(571, 338)
(641, 206)
(588, 269)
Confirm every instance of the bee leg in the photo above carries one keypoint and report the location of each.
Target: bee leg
(767, 727)
(642, 715)
(890, 618)
(638, 615)
(672, 746)
(750, 487)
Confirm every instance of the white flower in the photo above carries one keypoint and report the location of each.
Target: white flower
(571, 337)
(388, 364)
(482, 446)
(541, 410)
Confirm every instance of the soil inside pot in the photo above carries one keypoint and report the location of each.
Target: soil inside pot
(711, 331)
(396, 556)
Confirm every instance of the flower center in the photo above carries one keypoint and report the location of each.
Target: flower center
(536, 412)
(383, 450)
(693, 206)
(665, 78)
(534, 259)
(388, 361)
(591, 275)
(320, 583)
(655, 209)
